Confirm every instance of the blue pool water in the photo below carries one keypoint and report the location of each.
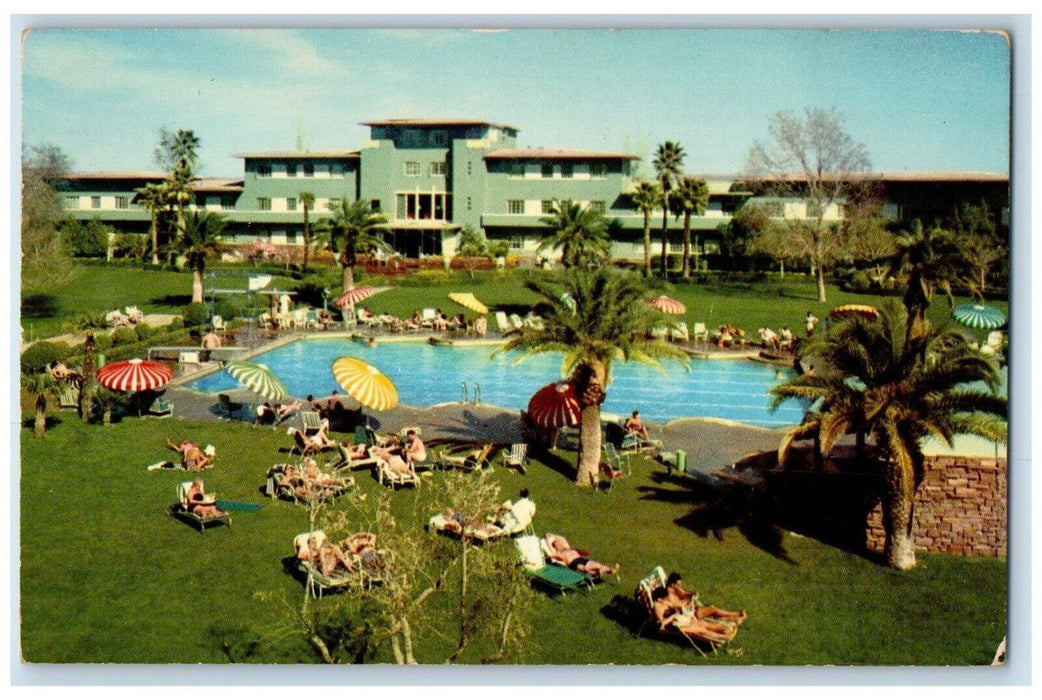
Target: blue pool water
(427, 375)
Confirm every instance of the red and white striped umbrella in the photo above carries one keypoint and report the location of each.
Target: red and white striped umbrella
(667, 305)
(134, 375)
(555, 406)
(354, 295)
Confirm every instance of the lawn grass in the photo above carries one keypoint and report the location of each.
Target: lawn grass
(108, 576)
(775, 302)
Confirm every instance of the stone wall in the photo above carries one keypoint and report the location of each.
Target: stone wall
(960, 508)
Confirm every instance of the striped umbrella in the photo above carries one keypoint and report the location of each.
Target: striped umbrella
(354, 295)
(667, 305)
(979, 316)
(468, 301)
(257, 378)
(555, 406)
(134, 375)
(365, 383)
(869, 313)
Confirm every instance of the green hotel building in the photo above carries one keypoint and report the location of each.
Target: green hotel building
(432, 177)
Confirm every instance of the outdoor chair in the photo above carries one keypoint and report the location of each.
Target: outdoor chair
(387, 477)
(183, 510)
(482, 533)
(69, 396)
(612, 469)
(427, 317)
(516, 456)
(161, 408)
(517, 322)
(645, 587)
(229, 407)
(678, 333)
(310, 422)
(317, 583)
(502, 323)
(303, 445)
(188, 358)
(468, 459)
(700, 332)
(344, 462)
(219, 325)
(567, 439)
(659, 332)
(558, 579)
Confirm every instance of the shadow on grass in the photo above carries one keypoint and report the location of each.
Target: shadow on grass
(171, 300)
(628, 613)
(555, 462)
(39, 306)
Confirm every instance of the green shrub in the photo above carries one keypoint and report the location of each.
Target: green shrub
(860, 282)
(175, 325)
(38, 355)
(102, 341)
(124, 335)
(144, 331)
(88, 240)
(195, 315)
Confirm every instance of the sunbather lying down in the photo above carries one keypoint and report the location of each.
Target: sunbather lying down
(200, 503)
(192, 458)
(687, 602)
(560, 551)
(354, 552)
(451, 520)
(688, 622)
(306, 480)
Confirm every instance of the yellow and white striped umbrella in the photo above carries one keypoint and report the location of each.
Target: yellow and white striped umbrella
(468, 301)
(365, 383)
(257, 378)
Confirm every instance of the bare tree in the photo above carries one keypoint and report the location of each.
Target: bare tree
(812, 158)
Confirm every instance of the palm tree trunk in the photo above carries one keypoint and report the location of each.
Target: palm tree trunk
(647, 244)
(899, 548)
(155, 237)
(819, 272)
(588, 460)
(197, 284)
(307, 238)
(686, 265)
(87, 387)
(665, 211)
(347, 277)
(40, 427)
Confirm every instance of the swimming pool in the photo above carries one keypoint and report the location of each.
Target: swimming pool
(427, 375)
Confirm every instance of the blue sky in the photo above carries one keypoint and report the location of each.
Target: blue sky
(918, 100)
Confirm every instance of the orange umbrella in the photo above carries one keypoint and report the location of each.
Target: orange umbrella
(869, 313)
(555, 406)
(667, 305)
(365, 383)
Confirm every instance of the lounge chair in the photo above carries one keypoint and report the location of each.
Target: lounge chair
(659, 332)
(273, 488)
(567, 439)
(444, 525)
(633, 442)
(183, 510)
(534, 321)
(657, 579)
(161, 408)
(559, 579)
(69, 396)
(700, 332)
(427, 317)
(344, 462)
(678, 332)
(229, 407)
(363, 576)
(305, 446)
(516, 456)
(387, 477)
(517, 322)
(614, 467)
(553, 558)
(502, 324)
(218, 324)
(469, 459)
(310, 422)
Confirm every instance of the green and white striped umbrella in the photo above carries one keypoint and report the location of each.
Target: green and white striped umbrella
(257, 378)
(979, 316)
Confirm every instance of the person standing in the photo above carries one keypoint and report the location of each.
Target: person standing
(812, 321)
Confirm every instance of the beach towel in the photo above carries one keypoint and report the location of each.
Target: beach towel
(238, 506)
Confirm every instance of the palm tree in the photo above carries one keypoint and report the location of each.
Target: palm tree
(668, 163)
(932, 260)
(90, 323)
(40, 387)
(154, 197)
(580, 232)
(876, 379)
(645, 198)
(605, 318)
(178, 150)
(178, 195)
(307, 200)
(690, 197)
(200, 237)
(353, 228)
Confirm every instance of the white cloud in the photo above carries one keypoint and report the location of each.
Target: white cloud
(288, 49)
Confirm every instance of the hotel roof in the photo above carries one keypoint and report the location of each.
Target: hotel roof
(434, 123)
(556, 154)
(300, 154)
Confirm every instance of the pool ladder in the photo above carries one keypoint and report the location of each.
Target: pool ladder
(464, 396)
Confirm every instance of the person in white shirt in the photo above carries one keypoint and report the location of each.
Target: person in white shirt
(518, 515)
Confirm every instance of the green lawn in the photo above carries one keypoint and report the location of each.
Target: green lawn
(776, 302)
(108, 576)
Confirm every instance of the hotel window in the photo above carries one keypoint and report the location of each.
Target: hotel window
(412, 167)
(729, 205)
(334, 203)
(374, 204)
(291, 203)
(517, 242)
(547, 170)
(548, 206)
(95, 202)
(598, 207)
(516, 169)
(438, 168)
(439, 138)
(566, 170)
(291, 236)
(264, 170)
(122, 202)
(598, 170)
(423, 205)
(264, 203)
(468, 203)
(470, 167)
(309, 169)
(227, 202)
(291, 169)
(515, 206)
(72, 202)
